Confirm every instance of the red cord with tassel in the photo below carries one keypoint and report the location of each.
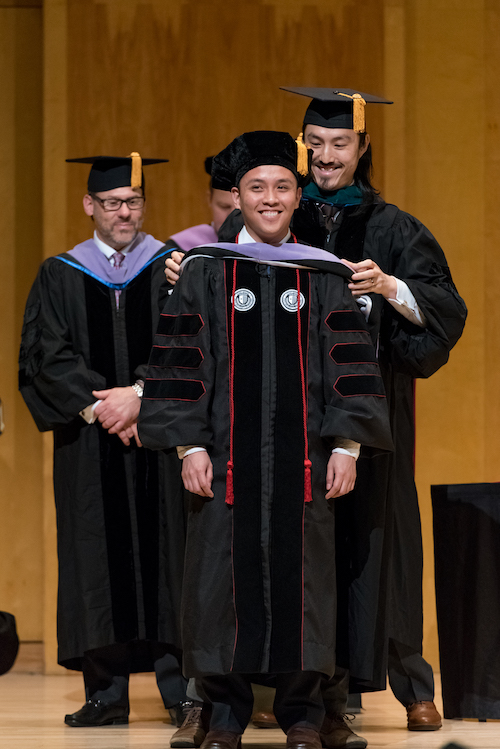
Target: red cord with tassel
(307, 462)
(230, 463)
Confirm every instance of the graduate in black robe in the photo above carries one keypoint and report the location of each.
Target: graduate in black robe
(87, 334)
(379, 550)
(266, 368)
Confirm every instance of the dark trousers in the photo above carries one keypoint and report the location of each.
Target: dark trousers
(106, 674)
(298, 700)
(410, 678)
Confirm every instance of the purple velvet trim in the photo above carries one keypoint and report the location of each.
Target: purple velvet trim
(142, 250)
(286, 252)
(202, 234)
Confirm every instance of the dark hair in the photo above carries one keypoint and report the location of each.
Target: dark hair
(363, 173)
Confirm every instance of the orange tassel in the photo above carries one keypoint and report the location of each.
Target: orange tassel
(302, 156)
(307, 481)
(136, 175)
(358, 113)
(229, 483)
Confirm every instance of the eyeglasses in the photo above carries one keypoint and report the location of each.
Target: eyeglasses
(114, 204)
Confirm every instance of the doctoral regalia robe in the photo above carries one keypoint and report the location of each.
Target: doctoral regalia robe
(379, 545)
(235, 368)
(120, 513)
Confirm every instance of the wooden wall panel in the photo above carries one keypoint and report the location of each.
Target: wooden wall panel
(448, 176)
(491, 241)
(21, 539)
(448, 55)
(179, 79)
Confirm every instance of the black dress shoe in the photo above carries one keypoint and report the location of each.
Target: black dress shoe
(180, 711)
(96, 713)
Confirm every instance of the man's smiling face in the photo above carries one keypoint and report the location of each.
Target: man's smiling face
(116, 228)
(267, 197)
(336, 152)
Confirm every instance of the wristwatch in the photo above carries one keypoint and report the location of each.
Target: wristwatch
(139, 388)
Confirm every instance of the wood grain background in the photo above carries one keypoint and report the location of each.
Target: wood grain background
(178, 79)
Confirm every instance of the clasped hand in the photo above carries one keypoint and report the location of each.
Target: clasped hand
(118, 412)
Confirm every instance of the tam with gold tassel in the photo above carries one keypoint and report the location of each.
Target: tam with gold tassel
(110, 172)
(337, 108)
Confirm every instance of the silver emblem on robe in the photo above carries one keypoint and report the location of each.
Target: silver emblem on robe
(288, 300)
(244, 300)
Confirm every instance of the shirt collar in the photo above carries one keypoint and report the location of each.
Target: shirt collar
(110, 251)
(245, 238)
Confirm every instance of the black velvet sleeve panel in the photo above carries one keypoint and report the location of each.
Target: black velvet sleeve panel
(159, 293)
(176, 407)
(354, 396)
(407, 250)
(54, 379)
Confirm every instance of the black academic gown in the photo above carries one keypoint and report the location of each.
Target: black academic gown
(259, 586)
(379, 542)
(120, 513)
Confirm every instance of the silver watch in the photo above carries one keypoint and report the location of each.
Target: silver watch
(138, 389)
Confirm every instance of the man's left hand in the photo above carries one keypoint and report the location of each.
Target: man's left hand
(368, 278)
(340, 475)
(126, 435)
(119, 409)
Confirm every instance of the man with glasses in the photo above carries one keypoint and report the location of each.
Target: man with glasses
(88, 330)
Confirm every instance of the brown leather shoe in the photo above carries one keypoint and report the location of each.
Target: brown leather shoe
(423, 716)
(300, 737)
(336, 734)
(222, 740)
(265, 720)
(194, 728)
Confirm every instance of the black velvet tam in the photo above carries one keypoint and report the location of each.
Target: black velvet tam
(110, 172)
(250, 150)
(208, 165)
(332, 107)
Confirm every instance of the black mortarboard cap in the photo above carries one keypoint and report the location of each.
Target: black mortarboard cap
(257, 148)
(336, 107)
(110, 172)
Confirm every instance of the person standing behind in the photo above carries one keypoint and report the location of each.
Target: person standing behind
(221, 205)
(416, 316)
(88, 327)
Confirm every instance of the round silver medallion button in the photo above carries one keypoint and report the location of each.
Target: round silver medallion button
(288, 300)
(244, 300)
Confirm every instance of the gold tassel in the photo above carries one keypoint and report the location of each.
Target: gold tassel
(136, 176)
(302, 156)
(358, 113)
